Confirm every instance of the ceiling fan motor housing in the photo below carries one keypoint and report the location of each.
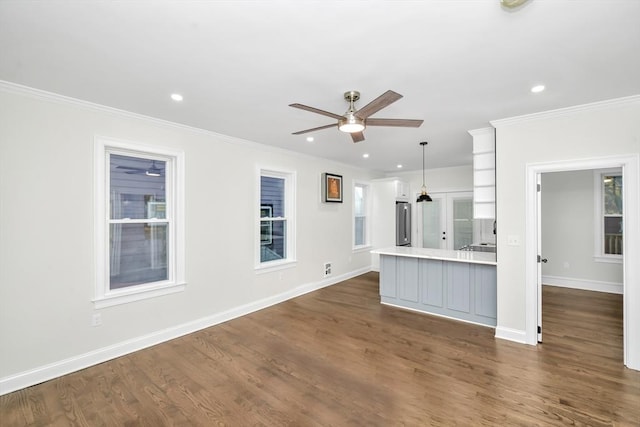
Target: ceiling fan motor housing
(352, 95)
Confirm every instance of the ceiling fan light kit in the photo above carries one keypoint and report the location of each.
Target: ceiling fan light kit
(350, 123)
(355, 121)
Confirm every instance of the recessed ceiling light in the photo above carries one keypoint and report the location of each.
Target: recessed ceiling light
(399, 166)
(309, 139)
(176, 97)
(538, 88)
(365, 155)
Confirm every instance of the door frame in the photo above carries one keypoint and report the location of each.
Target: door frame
(446, 216)
(630, 165)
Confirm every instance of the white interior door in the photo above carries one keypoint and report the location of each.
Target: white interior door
(434, 222)
(539, 250)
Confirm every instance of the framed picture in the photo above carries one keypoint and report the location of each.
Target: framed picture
(266, 227)
(331, 188)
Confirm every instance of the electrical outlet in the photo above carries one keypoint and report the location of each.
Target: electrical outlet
(96, 319)
(327, 269)
(565, 264)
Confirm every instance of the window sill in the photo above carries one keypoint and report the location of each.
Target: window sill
(268, 267)
(128, 296)
(365, 248)
(611, 259)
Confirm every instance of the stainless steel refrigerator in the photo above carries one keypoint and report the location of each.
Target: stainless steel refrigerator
(403, 224)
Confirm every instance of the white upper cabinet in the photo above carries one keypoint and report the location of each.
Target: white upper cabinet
(484, 173)
(402, 191)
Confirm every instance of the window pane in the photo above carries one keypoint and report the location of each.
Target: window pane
(358, 200)
(613, 195)
(138, 254)
(360, 231)
(272, 196)
(462, 223)
(273, 247)
(137, 188)
(613, 235)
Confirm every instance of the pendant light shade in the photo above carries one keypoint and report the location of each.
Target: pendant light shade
(423, 197)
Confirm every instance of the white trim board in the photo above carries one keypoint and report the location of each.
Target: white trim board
(82, 361)
(584, 284)
(509, 334)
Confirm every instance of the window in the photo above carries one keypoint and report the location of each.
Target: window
(276, 246)
(139, 232)
(608, 215)
(360, 215)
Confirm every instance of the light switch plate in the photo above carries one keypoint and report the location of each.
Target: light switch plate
(513, 240)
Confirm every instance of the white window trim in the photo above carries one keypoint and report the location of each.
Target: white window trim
(367, 215)
(598, 233)
(290, 210)
(105, 297)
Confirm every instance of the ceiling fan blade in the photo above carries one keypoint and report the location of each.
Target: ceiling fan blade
(387, 98)
(300, 132)
(357, 136)
(407, 123)
(316, 110)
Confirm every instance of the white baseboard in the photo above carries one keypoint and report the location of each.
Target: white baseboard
(515, 335)
(82, 361)
(584, 284)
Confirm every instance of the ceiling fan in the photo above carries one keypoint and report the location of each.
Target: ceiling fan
(153, 170)
(355, 121)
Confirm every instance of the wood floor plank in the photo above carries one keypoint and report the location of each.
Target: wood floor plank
(337, 357)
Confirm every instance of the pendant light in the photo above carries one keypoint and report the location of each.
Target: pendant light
(423, 197)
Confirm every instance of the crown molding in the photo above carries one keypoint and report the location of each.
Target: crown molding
(594, 106)
(481, 131)
(18, 89)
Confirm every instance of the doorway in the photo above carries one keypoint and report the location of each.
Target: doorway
(631, 277)
(447, 222)
(581, 274)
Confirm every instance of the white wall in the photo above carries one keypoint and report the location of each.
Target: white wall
(46, 235)
(568, 226)
(586, 132)
(440, 180)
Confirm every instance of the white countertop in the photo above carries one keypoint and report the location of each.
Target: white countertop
(441, 254)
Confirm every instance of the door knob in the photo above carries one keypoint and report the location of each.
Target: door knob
(543, 260)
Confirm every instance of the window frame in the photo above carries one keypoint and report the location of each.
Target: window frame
(598, 190)
(290, 220)
(104, 296)
(367, 215)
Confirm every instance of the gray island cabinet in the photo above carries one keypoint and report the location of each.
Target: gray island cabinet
(456, 284)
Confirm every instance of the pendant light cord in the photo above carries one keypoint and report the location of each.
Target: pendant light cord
(423, 165)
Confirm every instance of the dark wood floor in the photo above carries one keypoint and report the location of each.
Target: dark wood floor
(337, 357)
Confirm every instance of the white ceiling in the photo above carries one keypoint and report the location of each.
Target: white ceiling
(239, 64)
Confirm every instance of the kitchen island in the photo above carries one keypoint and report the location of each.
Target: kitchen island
(456, 284)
